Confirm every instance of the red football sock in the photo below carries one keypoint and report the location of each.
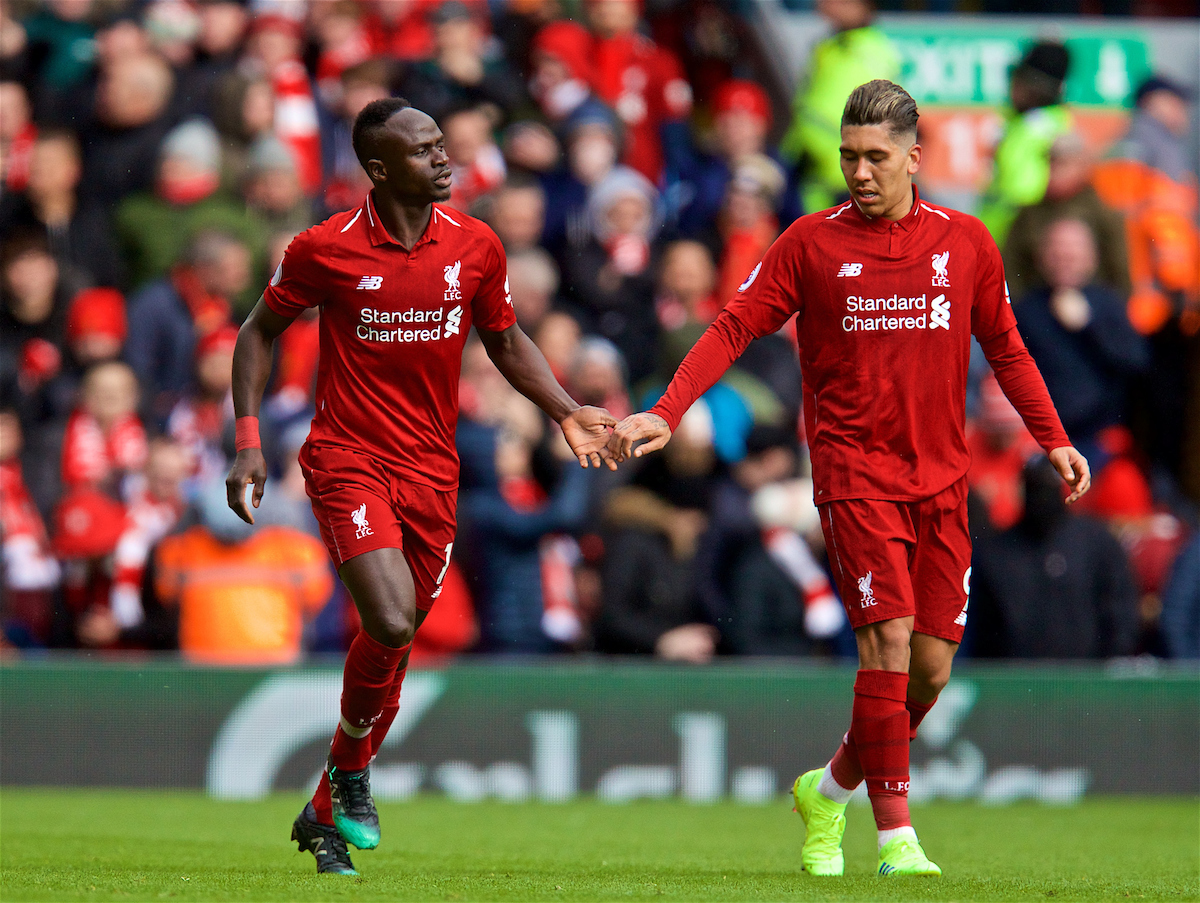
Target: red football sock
(388, 715)
(844, 765)
(879, 726)
(366, 685)
(916, 714)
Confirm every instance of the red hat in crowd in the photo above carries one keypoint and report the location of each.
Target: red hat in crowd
(568, 42)
(744, 97)
(97, 311)
(87, 524)
(220, 341)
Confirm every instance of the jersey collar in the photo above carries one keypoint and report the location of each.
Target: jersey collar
(379, 234)
(908, 223)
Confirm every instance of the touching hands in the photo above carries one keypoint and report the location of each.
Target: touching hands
(1073, 468)
(587, 432)
(635, 428)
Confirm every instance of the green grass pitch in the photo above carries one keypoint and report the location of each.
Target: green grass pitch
(117, 845)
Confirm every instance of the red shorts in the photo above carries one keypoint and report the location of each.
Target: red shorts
(901, 559)
(362, 507)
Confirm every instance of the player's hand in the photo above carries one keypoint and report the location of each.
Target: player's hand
(635, 428)
(1073, 468)
(586, 431)
(248, 467)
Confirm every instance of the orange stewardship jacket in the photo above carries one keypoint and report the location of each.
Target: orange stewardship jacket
(1164, 243)
(243, 603)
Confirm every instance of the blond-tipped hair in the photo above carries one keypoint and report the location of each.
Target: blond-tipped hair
(881, 102)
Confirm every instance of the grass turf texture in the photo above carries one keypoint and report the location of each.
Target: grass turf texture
(116, 845)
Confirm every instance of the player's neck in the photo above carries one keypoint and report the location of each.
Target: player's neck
(405, 223)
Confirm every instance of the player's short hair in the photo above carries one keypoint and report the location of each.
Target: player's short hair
(881, 102)
(370, 121)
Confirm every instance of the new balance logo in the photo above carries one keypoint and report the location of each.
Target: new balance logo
(454, 321)
(370, 283)
(939, 313)
(865, 590)
(360, 520)
(850, 269)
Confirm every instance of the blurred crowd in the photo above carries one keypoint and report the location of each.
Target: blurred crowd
(157, 157)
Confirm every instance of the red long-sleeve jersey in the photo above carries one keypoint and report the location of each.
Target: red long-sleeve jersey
(885, 315)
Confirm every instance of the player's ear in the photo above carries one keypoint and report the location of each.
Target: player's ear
(376, 170)
(914, 159)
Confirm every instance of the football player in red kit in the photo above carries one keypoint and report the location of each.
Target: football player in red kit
(400, 282)
(888, 289)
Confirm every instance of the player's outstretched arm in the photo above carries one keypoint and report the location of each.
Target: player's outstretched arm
(586, 428)
(251, 370)
(1073, 468)
(649, 429)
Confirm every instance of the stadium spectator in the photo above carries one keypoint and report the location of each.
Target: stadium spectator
(343, 40)
(156, 504)
(168, 316)
(273, 48)
(272, 188)
(557, 336)
(756, 567)
(610, 281)
(218, 43)
(32, 371)
(105, 441)
(1057, 585)
(592, 148)
(237, 595)
(78, 231)
(651, 603)
(477, 161)
(1000, 445)
(96, 328)
(597, 376)
(132, 117)
(244, 112)
(31, 572)
(1181, 604)
(516, 211)
(1035, 117)
(59, 35)
(401, 30)
(17, 135)
(345, 182)
(202, 417)
(1069, 195)
(747, 223)
(461, 72)
(533, 281)
(87, 527)
(155, 227)
(687, 283)
(1077, 332)
(855, 53)
(507, 518)
(561, 70)
(1150, 177)
(644, 84)
(741, 120)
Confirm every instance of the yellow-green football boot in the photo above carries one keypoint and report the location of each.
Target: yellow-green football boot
(824, 822)
(904, 856)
